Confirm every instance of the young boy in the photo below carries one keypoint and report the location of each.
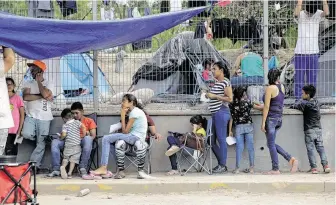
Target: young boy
(72, 149)
(307, 48)
(312, 127)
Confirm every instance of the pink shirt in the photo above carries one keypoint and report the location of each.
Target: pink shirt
(15, 104)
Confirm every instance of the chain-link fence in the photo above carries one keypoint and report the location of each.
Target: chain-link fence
(169, 70)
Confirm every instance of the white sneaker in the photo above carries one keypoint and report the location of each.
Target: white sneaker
(143, 175)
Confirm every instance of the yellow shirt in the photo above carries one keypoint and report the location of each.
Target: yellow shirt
(201, 131)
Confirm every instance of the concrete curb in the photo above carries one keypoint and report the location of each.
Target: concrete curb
(171, 187)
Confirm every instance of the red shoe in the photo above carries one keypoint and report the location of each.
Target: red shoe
(326, 169)
(314, 171)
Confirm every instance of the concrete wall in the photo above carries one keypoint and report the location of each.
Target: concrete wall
(290, 137)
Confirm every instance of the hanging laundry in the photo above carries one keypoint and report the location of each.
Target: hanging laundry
(223, 3)
(121, 2)
(198, 3)
(106, 12)
(67, 7)
(136, 13)
(164, 6)
(200, 30)
(144, 43)
(221, 28)
(175, 5)
(40, 9)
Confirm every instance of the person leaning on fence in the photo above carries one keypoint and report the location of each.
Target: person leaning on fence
(6, 119)
(86, 142)
(133, 132)
(72, 142)
(312, 128)
(195, 141)
(307, 45)
(220, 96)
(241, 120)
(272, 120)
(38, 94)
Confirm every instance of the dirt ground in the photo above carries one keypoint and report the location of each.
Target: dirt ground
(218, 197)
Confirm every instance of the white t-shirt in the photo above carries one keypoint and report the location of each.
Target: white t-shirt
(39, 109)
(6, 119)
(308, 31)
(140, 124)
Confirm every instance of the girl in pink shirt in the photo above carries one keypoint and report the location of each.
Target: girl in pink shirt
(17, 108)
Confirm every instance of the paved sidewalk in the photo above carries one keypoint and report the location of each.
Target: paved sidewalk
(162, 184)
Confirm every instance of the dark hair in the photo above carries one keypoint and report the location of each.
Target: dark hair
(273, 76)
(132, 98)
(222, 66)
(11, 80)
(310, 90)
(77, 106)
(312, 6)
(198, 119)
(66, 113)
(238, 93)
(207, 62)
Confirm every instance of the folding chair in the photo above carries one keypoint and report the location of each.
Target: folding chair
(15, 183)
(200, 163)
(95, 147)
(131, 155)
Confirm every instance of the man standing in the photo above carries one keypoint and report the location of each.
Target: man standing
(57, 145)
(38, 95)
(6, 120)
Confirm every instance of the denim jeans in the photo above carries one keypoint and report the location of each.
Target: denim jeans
(34, 129)
(244, 132)
(246, 81)
(173, 158)
(313, 139)
(57, 145)
(220, 121)
(272, 126)
(111, 139)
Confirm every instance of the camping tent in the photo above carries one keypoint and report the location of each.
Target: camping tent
(174, 71)
(72, 76)
(326, 74)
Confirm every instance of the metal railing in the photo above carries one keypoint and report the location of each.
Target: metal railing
(112, 70)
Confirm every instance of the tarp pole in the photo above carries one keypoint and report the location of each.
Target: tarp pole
(265, 42)
(95, 64)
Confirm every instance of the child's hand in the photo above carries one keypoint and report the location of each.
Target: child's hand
(231, 134)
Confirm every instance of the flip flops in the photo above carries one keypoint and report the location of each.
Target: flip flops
(108, 175)
(91, 176)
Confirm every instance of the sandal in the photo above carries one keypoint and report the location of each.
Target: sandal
(119, 175)
(172, 172)
(108, 175)
(91, 177)
(248, 171)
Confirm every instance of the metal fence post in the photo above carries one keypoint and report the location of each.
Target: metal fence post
(265, 43)
(95, 64)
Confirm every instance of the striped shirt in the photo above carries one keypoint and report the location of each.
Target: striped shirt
(218, 89)
(72, 129)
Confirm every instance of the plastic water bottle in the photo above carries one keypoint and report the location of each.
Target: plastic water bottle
(83, 192)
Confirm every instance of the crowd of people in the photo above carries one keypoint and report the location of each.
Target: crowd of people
(230, 112)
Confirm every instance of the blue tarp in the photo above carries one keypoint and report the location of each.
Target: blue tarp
(47, 38)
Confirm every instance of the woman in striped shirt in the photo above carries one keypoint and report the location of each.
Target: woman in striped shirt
(220, 96)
